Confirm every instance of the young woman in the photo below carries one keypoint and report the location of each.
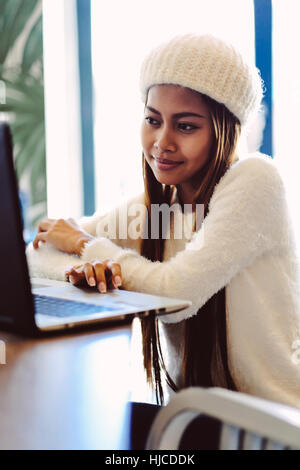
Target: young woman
(238, 267)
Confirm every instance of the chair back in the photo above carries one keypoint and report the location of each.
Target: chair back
(247, 422)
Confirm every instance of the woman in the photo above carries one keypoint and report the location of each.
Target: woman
(238, 268)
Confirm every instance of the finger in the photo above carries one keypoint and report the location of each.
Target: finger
(69, 269)
(89, 274)
(113, 274)
(99, 270)
(116, 272)
(109, 276)
(109, 279)
(76, 279)
(44, 225)
(40, 237)
(76, 276)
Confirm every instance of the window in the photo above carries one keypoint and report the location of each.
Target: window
(122, 33)
(286, 73)
(62, 109)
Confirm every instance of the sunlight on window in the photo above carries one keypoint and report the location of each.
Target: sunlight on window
(62, 109)
(286, 72)
(122, 33)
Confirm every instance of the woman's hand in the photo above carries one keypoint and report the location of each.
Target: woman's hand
(102, 274)
(66, 235)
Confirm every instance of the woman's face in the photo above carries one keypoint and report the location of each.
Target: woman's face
(177, 136)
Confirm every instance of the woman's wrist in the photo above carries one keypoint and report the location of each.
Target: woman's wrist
(81, 242)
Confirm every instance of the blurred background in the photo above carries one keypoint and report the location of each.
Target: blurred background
(69, 72)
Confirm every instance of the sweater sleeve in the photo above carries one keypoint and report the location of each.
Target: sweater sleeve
(48, 262)
(246, 218)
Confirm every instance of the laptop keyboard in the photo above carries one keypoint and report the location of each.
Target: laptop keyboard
(65, 308)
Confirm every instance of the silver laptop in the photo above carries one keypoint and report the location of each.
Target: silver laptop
(34, 306)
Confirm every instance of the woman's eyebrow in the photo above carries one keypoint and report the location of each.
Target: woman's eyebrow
(177, 115)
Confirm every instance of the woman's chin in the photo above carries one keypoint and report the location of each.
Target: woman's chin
(165, 177)
(165, 180)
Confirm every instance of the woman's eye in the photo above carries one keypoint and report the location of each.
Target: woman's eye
(186, 127)
(151, 121)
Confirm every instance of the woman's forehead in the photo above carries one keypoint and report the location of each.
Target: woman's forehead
(175, 96)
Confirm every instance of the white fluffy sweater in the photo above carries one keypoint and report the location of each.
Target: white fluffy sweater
(245, 243)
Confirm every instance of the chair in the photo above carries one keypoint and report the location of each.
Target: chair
(247, 422)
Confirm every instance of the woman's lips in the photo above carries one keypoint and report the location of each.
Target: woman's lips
(165, 165)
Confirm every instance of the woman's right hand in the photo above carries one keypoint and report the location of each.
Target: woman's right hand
(103, 275)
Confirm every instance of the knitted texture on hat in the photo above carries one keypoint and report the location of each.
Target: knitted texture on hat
(208, 65)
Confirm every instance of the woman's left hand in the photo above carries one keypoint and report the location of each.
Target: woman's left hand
(66, 235)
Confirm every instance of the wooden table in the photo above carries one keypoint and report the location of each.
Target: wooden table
(66, 392)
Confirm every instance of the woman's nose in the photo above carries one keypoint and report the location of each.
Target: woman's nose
(164, 141)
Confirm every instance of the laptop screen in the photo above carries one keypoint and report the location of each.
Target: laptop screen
(16, 303)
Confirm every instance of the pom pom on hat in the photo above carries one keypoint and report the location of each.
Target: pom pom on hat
(208, 65)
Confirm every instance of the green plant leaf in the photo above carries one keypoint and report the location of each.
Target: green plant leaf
(38, 184)
(24, 156)
(40, 214)
(33, 49)
(24, 91)
(14, 15)
(26, 97)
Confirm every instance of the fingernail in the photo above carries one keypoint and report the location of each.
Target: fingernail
(92, 281)
(72, 279)
(102, 287)
(118, 281)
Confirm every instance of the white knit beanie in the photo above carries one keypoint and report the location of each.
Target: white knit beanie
(209, 65)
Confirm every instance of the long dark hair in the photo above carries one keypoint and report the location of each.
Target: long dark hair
(205, 360)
